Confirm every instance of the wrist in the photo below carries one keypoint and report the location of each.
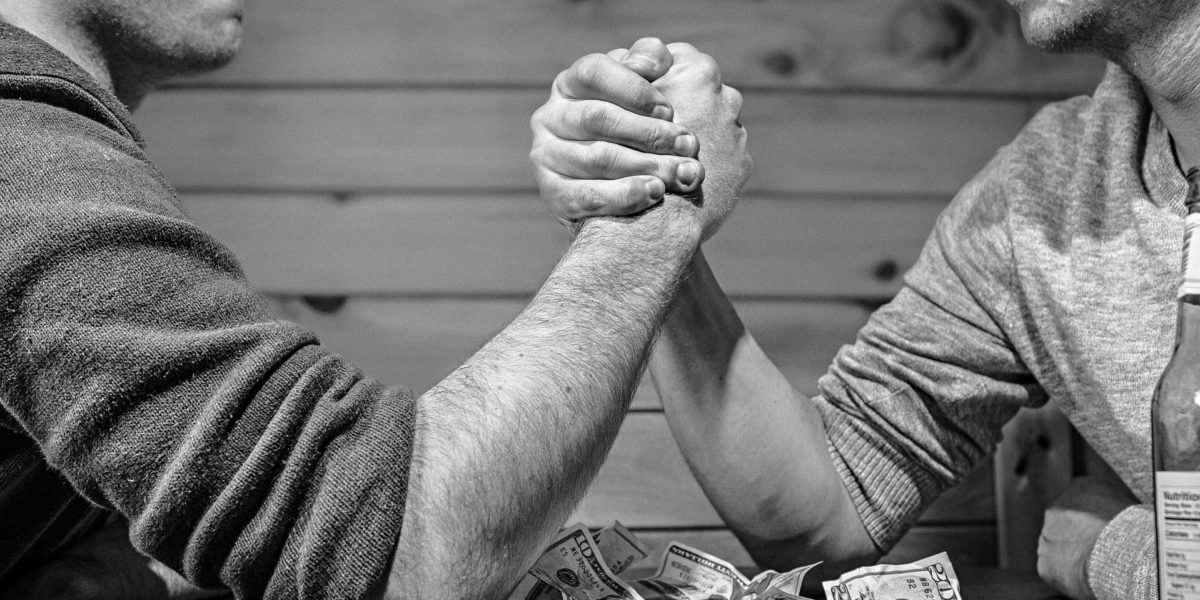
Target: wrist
(668, 229)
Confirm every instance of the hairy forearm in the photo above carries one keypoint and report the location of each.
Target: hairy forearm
(506, 445)
(757, 447)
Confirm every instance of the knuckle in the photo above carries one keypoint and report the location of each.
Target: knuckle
(632, 194)
(667, 167)
(538, 118)
(708, 68)
(603, 158)
(560, 80)
(735, 99)
(588, 202)
(565, 207)
(657, 139)
(682, 47)
(652, 50)
(589, 69)
(593, 118)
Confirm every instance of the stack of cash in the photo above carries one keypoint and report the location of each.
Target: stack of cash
(580, 566)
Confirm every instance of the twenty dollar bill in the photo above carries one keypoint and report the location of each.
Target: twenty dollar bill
(931, 578)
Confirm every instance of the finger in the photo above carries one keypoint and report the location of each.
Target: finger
(648, 57)
(682, 49)
(603, 160)
(573, 199)
(593, 120)
(600, 77)
(733, 99)
(688, 58)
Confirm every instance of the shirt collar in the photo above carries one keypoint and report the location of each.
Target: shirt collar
(31, 69)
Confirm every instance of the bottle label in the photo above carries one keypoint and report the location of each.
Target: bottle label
(1191, 255)
(1177, 512)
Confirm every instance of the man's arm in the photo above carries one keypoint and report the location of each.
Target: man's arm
(506, 445)
(916, 403)
(757, 446)
(717, 386)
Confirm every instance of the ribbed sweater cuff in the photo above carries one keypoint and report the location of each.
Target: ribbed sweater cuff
(882, 491)
(1122, 564)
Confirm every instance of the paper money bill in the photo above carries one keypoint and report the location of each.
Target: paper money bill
(574, 565)
(690, 574)
(931, 578)
(771, 585)
(619, 548)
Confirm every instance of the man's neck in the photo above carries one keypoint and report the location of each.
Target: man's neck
(42, 20)
(1168, 67)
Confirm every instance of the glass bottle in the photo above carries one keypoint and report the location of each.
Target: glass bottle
(1175, 429)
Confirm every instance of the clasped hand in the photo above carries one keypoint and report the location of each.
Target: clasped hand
(623, 129)
(1073, 523)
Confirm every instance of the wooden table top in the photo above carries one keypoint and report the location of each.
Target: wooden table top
(980, 583)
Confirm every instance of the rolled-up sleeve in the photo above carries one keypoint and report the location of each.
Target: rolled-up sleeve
(1122, 565)
(919, 399)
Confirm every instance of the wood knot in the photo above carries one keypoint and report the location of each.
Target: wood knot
(780, 62)
(886, 270)
(933, 31)
(324, 304)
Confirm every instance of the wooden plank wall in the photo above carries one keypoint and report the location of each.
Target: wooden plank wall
(368, 163)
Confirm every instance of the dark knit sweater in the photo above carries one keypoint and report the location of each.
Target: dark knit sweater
(141, 374)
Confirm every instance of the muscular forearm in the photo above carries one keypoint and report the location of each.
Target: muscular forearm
(757, 447)
(506, 445)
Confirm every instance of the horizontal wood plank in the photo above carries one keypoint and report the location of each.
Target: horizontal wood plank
(958, 45)
(505, 244)
(428, 139)
(417, 342)
(966, 545)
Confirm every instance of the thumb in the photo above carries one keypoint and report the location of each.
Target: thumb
(648, 57)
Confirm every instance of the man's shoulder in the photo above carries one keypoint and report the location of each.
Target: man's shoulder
(1070, 153)
(1080, 139)
(54, 154)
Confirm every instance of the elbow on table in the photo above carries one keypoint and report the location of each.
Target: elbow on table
(836, 548)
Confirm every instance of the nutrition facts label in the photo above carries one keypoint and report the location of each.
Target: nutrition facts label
(1177, 510)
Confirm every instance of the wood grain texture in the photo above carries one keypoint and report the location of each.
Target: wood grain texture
(646, 483)
(912, 45)
(418, 341)
(435, 139)
(813, 247)
(368, 164)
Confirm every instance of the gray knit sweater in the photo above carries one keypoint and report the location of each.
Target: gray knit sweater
(1051, 276)
(139, 372)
